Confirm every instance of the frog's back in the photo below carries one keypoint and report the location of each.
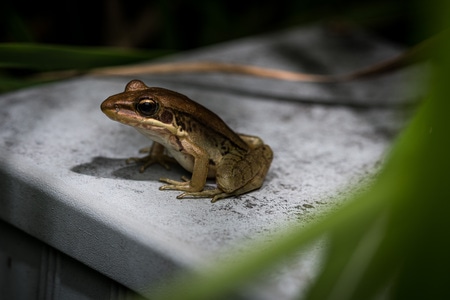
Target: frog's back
(182, 104)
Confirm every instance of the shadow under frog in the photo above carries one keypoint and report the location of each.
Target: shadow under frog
(105, 167)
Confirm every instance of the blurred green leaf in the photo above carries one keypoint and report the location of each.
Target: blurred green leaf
(10, 83)
(67, 61)
(42, 57)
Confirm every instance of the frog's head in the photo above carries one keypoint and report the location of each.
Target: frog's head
(143, 107)
(160, 112)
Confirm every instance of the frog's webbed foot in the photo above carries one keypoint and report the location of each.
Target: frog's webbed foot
(214, 194)
(184, 185)
(189, 191)
(154, 156)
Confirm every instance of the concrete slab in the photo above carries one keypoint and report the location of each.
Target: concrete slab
(63, 177)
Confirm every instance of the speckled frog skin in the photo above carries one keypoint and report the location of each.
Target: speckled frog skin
(195, 137)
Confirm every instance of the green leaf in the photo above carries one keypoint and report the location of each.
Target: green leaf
(41, 57)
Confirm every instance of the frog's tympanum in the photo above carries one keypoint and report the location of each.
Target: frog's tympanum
(195, 137)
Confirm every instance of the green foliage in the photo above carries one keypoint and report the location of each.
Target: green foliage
(20, 61)
(43, 57)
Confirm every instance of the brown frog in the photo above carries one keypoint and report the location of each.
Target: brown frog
(195, 137)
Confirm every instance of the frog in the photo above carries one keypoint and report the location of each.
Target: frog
(188, 133)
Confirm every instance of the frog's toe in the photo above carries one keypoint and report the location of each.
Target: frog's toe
(181, 196)
(220, 196)
(173, 183)
(214, 194)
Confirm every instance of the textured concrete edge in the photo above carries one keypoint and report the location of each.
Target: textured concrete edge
(119, 260)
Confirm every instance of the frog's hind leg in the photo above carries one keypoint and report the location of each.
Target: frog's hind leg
(239, 176)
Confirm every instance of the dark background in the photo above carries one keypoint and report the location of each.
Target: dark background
(180, 25)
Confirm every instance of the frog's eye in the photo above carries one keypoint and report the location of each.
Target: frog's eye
(147, 106)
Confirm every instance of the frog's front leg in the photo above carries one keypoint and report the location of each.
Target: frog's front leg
(199, 174)
(155, 155)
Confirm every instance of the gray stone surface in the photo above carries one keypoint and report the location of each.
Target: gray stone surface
(64, 180)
